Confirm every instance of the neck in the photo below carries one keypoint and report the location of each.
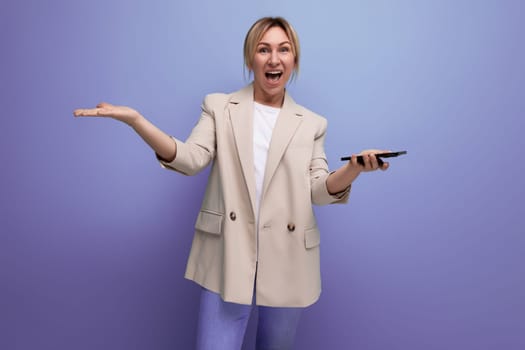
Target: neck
(275, 100)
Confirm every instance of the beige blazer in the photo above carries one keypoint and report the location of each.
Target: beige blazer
(232, 252)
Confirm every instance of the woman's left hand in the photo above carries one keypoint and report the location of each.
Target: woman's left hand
(370, 161)
(344, 176)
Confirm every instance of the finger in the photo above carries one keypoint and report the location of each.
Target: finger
(371, 151)
(85, 112)
(354, 162)
(92, 112)
(104, 105)
(373, 161)
(366, 162)
(385, 166)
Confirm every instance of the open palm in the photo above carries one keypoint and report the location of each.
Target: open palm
(121, 113)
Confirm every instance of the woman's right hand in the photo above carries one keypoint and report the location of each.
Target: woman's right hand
(121, 113)
(160, 142)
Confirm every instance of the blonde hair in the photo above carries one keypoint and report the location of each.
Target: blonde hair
(257, 31)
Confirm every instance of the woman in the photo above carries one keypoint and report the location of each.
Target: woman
(256, 240)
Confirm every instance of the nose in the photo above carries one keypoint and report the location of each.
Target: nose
(274, 58)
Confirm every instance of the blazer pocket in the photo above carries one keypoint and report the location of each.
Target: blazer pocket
(209, 221)
(312, 237)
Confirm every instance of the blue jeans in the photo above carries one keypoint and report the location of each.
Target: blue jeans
(222, 325)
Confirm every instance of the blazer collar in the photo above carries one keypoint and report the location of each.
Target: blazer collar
(241, 116)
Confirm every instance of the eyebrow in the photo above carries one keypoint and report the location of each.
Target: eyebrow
(268, 44)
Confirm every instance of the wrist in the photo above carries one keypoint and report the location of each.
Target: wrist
(352, 171)
(135, 120)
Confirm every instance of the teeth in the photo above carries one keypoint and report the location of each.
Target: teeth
(275, 75)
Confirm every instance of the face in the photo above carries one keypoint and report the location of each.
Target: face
(273, 64)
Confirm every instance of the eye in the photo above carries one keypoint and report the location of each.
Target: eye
(263, 50)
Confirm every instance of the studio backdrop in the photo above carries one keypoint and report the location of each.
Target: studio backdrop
(94, 235)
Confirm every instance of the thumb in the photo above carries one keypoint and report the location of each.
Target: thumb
(104, 105)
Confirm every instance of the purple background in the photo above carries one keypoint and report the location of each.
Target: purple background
(95, 235)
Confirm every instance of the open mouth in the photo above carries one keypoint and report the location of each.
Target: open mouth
(273, 76)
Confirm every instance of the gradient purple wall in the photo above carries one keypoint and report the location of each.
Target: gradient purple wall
(95, 235)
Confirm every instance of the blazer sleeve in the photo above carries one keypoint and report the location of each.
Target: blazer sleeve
(199, 149)
(319, 173)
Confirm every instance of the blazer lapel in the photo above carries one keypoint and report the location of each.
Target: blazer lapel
(241, 117)
(287, 123)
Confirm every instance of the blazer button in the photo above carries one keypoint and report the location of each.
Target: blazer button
(291, 227)
(233, 216)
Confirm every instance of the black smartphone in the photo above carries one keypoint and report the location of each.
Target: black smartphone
(378, 156)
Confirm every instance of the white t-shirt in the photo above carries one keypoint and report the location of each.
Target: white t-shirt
(264, 118)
